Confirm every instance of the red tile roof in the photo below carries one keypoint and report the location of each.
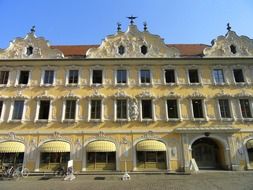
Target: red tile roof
(186, 50)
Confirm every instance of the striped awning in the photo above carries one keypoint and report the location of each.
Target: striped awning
(249, 144)
(12, 146)
(101, 146)
(55, 146)
(151, 145)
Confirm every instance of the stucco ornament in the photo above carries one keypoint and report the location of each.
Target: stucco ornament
(134, 110)
(230, 45)
(131, 42)
(30, 47)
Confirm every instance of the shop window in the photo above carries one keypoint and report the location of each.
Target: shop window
(145, 76)
(146, 109)
(11, 158)
(193, 76)
(218, 76)
(4, 76)
(44, 109)
(172, 109)
(169, 76)
(97, 77)
(70, 109)
(245, 108)
(238, 75)
(18, 110)
(54, 157)
(197, 108)
(144, 50)
(48, 77)
(95, 109)
(224, 108)
(122, 109)
(73, 77)
(121, 76)
(23, 77)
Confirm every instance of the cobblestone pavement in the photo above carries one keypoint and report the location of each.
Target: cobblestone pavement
(201, 181)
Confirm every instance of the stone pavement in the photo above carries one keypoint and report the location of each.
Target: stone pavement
(224, 180)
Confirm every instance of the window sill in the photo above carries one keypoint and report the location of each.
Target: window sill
(199, 119)
(174, 119)
(122, 120)
(227, 119)
(72, 85)
(247, 119)
(171, 84)
(220, 84)
(147, 120)
(195, 84)
(4, 85)
(121, 85)
(47, 85)
(69, 121)
(96, 120)
(42, 121)
(241, 83)
(16, 121)
(97, 85)
(22, 85)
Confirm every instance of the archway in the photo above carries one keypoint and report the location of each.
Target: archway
(208, 153)
(249, 146)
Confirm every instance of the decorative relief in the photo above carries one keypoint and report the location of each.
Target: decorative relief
(244, 94)
(32, 149)
(12, 137)
(172, 95)
(129, 44)
(30, 47)
(230, 45)
(222, 94)
(133, 109)
(145, 94)
(150, 135)
(101, 136)
(121, 94)
(96, 94)
(71, 95)
(78, 149)
(44, 96)
(196, 95)
(55, 136)
(19, 95)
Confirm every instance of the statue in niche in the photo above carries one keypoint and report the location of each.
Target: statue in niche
(134, 111)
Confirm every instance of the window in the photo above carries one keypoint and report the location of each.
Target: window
(73, 77)
(197, 108)
(48, 77)
(1, 108)
(218, 76)
(70, 109)
(29, 50)
(121, 50)
(238, 75)
(146, 109)
(95, 109)
(44, 109)
(233, 49)
(169, 76)
(121, 109)
(18, 110)
(23, 77)
(245, 108)
(224, 108)
(4, 76)
(144, 50)
(145, 76)
(121, 76)
(172, 109)
(193, 76)
(97, 77)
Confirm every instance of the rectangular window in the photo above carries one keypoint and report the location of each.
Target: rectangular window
(197, 108)
(170, 76)
(146, 109)
(70, 109)
(121, 76)
(73, 76)
(245, 108)
(1, 108)
(193, 76)
(238, 75)
(224, 108)
(48, 77)
(4, 76)
(44, 109)
(23, 77)
(218, 76)
(97, 77)
(121, 109)
(95, 109)
(145, 76)
(172, 109)
(18, 110)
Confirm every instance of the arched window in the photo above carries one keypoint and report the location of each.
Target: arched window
(233, 49)
(121, 49)
(144, 50)
(29, 50)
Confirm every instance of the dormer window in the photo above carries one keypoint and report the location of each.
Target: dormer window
(144, 50)
(29, 50)
(121, 49)
(233, 49)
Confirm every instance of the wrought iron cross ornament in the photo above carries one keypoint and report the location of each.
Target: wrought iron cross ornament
(131, 18)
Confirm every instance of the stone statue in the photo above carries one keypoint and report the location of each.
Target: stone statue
(134, 110)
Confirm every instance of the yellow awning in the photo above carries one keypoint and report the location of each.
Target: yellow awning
(12, 146)
(151, 145)
(101, 146)
(55, 146)
(249, 144)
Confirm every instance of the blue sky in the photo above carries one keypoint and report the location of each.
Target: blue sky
(88, 22)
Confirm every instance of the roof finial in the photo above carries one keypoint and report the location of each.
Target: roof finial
(145, 26)
(33, 29)
(228, 27)
(118, 27)
(131, 18)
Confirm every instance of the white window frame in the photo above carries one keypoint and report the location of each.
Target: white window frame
(8, 82)
(63, 119)
(250, 107)
(3, 110)
(18, 75)
(203, 102)
(115, 110)
(199, 76)
(102, 110)
(115, 77)
(43, 75)
(178, 110)
(38, 110)
(103, 76)
(67, 77)
(224, 76)
(153, 110)
(12, 109)
(151, 77)
(230, 109)
(164, 78)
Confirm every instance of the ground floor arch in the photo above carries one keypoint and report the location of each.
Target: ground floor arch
(249, 149)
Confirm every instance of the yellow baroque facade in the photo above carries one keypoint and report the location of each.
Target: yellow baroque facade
(132, 103)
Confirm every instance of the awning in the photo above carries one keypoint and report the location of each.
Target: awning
(12, 146)
(101, 146)
(151, 145)
(249, 144)
(55, 146)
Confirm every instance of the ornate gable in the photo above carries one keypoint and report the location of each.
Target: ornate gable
(30, 47)
(132, 44)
